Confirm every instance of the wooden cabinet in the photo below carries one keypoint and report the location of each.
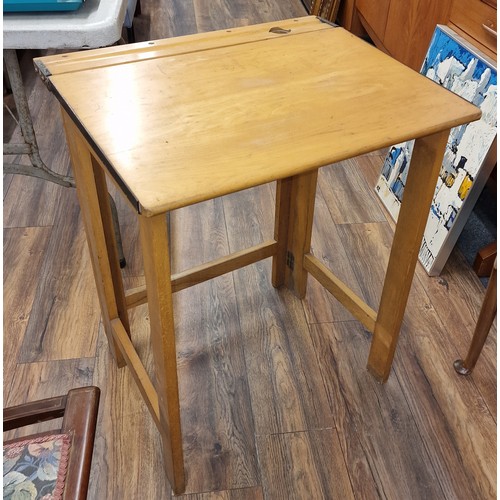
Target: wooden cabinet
(403, 28)
(410, 27)
(374, 15)
(476, 20)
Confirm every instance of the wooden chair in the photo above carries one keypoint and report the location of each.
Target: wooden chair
(74, 443)
(484, 322)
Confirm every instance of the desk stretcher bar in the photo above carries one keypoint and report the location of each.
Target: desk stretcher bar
(179, 121)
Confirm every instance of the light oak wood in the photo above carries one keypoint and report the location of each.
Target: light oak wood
(111, 244)
(210, 270)
(454, 417)
(300, 222)
(236, 150)
(224, 265)
(358, 308)
(154, 240)
(213, 107)
(420, 185)
(137, 369)
(96, 213)
(84, 60)
(136, 297)
(281, 226)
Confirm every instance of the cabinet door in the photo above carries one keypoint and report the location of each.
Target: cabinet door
(410, 26)
(375, 16)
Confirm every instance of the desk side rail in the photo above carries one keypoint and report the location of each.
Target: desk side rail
(208, 271)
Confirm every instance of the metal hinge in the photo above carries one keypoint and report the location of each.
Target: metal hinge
(326, 21)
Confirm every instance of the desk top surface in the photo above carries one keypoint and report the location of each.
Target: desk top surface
(187, 119)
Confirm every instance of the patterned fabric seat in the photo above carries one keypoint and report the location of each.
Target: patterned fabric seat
(51, 465)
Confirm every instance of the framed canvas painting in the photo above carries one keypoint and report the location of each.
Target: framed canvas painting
(470, 153)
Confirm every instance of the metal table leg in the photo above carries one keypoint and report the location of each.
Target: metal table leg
(37, 167)
(30, 146)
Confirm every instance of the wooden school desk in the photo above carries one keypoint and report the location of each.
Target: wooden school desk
(178, 121)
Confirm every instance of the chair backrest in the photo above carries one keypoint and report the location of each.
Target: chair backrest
(68, 449)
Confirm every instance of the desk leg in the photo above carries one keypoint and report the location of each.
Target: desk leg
(426, 162)
(98, 221)
(293, 228)
(281, 217)
(155, 248)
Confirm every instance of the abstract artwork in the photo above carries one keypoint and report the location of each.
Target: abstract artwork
(456, 65)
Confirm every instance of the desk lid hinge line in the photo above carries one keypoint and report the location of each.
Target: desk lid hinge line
(42, 70)
(326, 21)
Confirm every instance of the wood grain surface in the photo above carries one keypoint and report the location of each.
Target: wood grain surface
(274, 395)
(246, 103)
(23, 253)
(63, 324)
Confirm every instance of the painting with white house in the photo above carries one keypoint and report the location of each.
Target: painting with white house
(456, 65)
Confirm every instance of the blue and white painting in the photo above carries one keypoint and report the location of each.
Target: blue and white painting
(459, 67)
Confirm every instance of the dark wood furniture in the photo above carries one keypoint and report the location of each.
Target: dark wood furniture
(483, 325)
(485, 258)
(79, 412)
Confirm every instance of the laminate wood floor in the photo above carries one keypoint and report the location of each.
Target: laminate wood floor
(276, 401)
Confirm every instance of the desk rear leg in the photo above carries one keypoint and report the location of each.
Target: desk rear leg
(295, 198)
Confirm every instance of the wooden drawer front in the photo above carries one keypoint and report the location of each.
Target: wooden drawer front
(471, 15)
